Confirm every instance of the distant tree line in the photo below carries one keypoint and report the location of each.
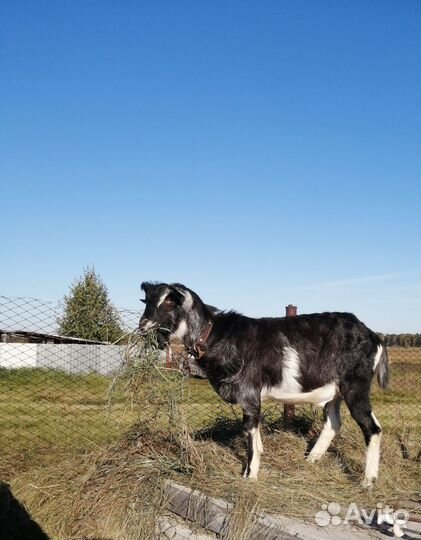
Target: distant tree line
(402, 340)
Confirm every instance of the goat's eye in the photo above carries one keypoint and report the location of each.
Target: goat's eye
(168, 302)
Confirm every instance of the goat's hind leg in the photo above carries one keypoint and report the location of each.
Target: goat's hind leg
(358, 401)
(331, 427)
(372, 459)
(259, 440)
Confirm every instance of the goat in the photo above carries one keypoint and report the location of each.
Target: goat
(320, 358)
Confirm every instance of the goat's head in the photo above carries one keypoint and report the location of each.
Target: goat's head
(172, 310)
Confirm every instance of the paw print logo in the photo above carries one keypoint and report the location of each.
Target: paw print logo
(329, 514)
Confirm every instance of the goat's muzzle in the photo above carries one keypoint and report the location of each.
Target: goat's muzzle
(146, 326)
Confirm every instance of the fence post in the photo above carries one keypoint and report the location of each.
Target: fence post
(289, 410)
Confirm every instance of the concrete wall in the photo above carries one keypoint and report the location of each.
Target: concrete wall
(18, 355)
(71, 358)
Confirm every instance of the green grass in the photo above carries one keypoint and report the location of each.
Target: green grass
(398, 407)
(43, 408)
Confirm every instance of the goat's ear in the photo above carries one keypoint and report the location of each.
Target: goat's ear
(177, 296)
(212, 309)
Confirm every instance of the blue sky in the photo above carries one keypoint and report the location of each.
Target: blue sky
(261, 153)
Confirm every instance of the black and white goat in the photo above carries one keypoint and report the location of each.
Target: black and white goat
(320, 358)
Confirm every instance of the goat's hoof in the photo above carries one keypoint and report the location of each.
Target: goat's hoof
(249, 476)
(368, 483)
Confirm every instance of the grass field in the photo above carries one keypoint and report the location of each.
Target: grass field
(39, 408)
(59, 430)
(410, 355)
(45, 408)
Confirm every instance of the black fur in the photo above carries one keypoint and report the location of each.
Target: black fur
(246, 354)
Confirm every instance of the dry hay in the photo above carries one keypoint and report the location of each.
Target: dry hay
(118, 493)
(290, 485)
(112, 494)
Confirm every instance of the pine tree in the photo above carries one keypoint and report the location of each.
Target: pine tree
(88, 311)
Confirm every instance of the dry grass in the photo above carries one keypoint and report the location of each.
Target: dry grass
(110, 494)
(406, 355)
(290, 485)
(118, 492)
(187, 434)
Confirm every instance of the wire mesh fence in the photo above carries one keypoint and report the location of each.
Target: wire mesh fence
(71, 392)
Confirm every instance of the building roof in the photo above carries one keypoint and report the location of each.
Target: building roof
(38, 337)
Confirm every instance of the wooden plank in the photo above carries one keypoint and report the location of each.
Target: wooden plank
(175, 528)
(210, 513)
(214, 514)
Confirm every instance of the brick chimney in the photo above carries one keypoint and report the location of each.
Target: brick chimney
(290, 310)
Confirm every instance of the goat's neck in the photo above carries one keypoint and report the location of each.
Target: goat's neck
(196, 324)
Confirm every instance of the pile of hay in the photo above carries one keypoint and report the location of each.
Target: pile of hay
(118, 492)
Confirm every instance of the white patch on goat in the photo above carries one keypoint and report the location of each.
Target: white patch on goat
(259, 440)
(319, 396)
(377, 357)
(188, 302)
(162, 297)
(181, 330)
(290, 390)
(372, 460)
(330, 429)
(373, 416)
(290, 372)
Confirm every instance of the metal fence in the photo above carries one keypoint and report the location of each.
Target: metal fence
(68, 392)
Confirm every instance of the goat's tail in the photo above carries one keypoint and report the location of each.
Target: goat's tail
(381, 363)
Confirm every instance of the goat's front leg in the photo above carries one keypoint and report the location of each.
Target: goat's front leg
(251, 418)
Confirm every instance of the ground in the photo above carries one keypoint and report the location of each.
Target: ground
(88, 462)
